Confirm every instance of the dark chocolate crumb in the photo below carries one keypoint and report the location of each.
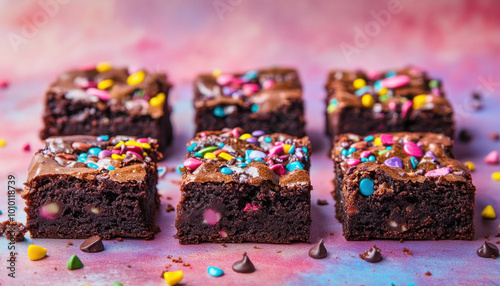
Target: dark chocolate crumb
(256, 247)
(19, 190)
(401, 241)
(119, 239)
(494, 136)
(169, 208)
(13, 230)
(464, 136)
(186, 265)
(177, 260)
(278, 251)
(322, 202)
(223, 244)
(487, 237)
(169, 198)
(428, 273)
(69, 243)
(332, 234)
(55, 268)
(129, 266)
(407, 251)
(176, 182)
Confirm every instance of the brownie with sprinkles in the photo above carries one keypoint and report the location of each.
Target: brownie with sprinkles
(245, 187)
(402, 186)
(81, 186)
(103, 99)
(394, 101)
(266, 99)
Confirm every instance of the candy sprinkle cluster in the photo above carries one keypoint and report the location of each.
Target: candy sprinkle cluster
(233, 148)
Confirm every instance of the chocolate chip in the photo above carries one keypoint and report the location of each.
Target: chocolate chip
(372, 255)
(488, 250)
(92, 244)
(244, 265)
(322, 202)
(407, 251)
(318, 251)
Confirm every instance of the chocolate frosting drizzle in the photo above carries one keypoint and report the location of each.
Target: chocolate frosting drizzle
(231, 155)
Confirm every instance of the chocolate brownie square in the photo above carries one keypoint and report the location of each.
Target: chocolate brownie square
(242, 187)
(105, 100)
(402, 186)
(80, 186)
(266, 99)
(403, 100)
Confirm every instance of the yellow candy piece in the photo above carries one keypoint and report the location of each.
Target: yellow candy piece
(383, 91)
(105, 84)
(331, 108)
(132, 143)
(245, 136)
(225, 156)
(144, 145)
(172, 278)
(286, 147)
(377, 141)
(36, 252)
(117, 157)
(419, 101)
(216, 72)
(119, 144)
(144, 154)
(103, 67)
(136, 78)
(489, 212)
(368, 101)
(470, 165)
(209, 155)
(158, 100)
(496, 176)
(2, 142)
(358, 83)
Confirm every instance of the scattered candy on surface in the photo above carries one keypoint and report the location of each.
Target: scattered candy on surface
(496, 176)
(471, 166)
(214, 271)
(492, 158)
(488, 212)
(27, 147)
(173, 278)
(74, 263)
(2, 142)
(36, 252)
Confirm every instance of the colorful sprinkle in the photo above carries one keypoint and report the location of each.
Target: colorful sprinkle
(191, 147)
(438, 172)
(49, 211)
(173, 278)
(225, 156)
(268, 140)
(394, 162)
(226, 171)
(368, 138)
(242, 165)
(94, 151)
(27, 147)
(211, 217)
(405, 108)
(492, 158)
(136, 78)
(214, 271)
(216, 72)
(92, 165)
(209, 155)
(371, 158)
(489, 213)
(111, 168)
(412, 149)
(102, 138)
(365, 154)
(74, 263)
(366, 187)
(432, 155)
(36, 252)
(224, 79)
(207, 149)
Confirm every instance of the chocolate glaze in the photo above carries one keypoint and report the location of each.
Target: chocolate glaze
(244, 265)
(372, 255)
(488, 250)
(122, 98)
(59, 158)
(208, 93)
(340, 86)
(255, 172)
(319, 250)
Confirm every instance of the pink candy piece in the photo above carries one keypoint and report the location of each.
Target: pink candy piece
(84, 83)
(116, 152)
(278, 143)
(236, 133)
(360, 145)
(4, 83)
(142, 140)
(267, 84)
(135, 149)
(406, 107)
(438, 172)
(102, 94)
(492, 158)
(412, 149)
(224, 79)
(278, 169)
(392, 105)
(27, 147)
(134, 153)
(211, 217)
(192, 163)
(203, 135)
(373, 75)
(395, 81)
(386, 139)
(352, 162)
(250, 207)
(250, 88)
(276, 150)
(365, 154)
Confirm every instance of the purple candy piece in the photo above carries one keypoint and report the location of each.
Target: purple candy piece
(299, 153)
(432, 155)
(252, 140)
(104, 154)
(256, 154)
(438, 172)
(394, 162)
(258, 133)
(226, 90)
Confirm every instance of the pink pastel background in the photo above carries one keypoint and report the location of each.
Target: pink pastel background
(457, 41)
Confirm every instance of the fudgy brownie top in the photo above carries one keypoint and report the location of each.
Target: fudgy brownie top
(415, 157)
(117, 89)
(231, 155)
(119, 158)
(262, 90)
(399, 91)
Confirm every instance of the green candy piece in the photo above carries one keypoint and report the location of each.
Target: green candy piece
(74, 263)
(207, 149)
(331, 108)
(117, 284)
(383, 98)
(382, 152)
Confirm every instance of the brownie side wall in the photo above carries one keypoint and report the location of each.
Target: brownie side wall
(283, 216)
(417, 211)
(93, 207)
(288, 119)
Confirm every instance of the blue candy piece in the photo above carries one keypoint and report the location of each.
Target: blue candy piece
(292, 150)
(220, 144)
(371, 158)
(191, 148)
(391, 74)
(1, 212)
(361, 91)
(254, 108)
(307, 158)
(247, 153)
(242, 165)
(103, 138)
(368, 138)
(364, 160)
(178, 169)
(248, 161)
(388, 148)
(215, 272)
(268, 140)
(254, 154)
(196, 154)
(366, 187)
(239, 159)
(82, 160)
(343, 152)
(378, 85)
(259, 160)
(251, 75)
(414, 162)
(111, 168)
(226, 171)
(304, 149)
(92, 165)
(219, 111)
(351, 150)
(334, 101)
(294, 165)
(94, 151)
